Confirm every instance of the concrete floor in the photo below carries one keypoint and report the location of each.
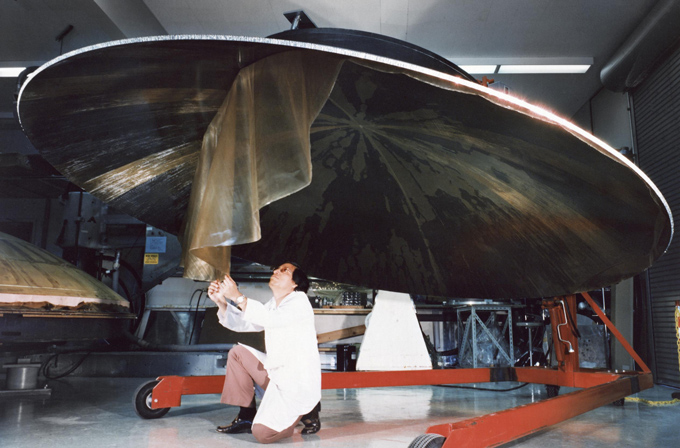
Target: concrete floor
(98, 412)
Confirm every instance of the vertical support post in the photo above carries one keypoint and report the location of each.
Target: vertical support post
(572, 359)
(563, 322)
(676, 395)
(508, 324)
(463, 343)
(473, 318)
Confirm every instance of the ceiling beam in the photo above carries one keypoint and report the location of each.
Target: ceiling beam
(132, 17)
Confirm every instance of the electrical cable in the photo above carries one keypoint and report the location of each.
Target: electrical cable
(451, 352)
(175, 347)
(486, 389)
(45, 368)
(198, 302)
(128, 266)
(85, 351)
(125, 290)
(138, 301)
(193, 294)
(136, 277)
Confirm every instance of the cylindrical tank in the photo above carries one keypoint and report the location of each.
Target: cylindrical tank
(22, 376)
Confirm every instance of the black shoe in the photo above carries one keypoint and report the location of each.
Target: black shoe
(312, 425)
(311, 421)
(238, 426)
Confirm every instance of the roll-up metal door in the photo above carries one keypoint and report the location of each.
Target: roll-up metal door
(656, 112)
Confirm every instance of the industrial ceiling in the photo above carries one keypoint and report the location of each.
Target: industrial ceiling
(521, 31)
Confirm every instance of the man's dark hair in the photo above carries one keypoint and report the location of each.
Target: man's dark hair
(300, 278)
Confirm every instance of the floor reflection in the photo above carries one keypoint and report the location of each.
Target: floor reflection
(86, 412)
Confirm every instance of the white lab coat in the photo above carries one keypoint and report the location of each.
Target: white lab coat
(292, 359)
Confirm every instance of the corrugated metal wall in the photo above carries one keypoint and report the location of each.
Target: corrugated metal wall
(656, 111)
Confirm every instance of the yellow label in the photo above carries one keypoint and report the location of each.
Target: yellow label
(150, 258)
(677, 327)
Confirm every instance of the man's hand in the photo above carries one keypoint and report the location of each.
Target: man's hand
(216, 294)
(229, 288)
(221, 291)
(231, 292)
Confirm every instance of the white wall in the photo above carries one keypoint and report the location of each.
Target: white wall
(607, 117)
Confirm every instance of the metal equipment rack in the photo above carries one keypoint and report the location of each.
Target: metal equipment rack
(469, 338)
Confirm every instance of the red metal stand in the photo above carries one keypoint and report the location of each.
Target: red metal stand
(597, 387)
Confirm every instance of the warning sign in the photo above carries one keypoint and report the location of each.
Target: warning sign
(150, 258)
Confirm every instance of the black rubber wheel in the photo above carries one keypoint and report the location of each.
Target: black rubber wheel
(619, 402)
(142, 402)
(551, 390)
(428, 441)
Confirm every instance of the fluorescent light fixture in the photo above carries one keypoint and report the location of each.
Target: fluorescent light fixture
(10, 72)
(479, 69)
(542, 69)
(493, 65)
(12, 69)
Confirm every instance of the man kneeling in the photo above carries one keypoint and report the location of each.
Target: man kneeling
(290, 371)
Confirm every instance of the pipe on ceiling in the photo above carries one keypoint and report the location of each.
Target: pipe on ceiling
(638, 55)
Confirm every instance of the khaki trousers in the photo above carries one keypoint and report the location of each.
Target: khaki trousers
(243, 371)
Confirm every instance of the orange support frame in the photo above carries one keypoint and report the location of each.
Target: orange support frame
(597, 387)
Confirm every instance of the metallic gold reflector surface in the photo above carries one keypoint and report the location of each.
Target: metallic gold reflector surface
(420, 182)
(255, 152)
(31, 277)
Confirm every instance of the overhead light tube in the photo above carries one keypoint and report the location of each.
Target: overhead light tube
(542, 69)
(479, 69)
(11, 72)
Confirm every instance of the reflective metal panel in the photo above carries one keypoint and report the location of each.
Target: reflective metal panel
(422, 182)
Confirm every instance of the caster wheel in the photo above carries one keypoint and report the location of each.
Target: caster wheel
(428, 441)
(552, 391)
(142, 402)
(619, 402)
